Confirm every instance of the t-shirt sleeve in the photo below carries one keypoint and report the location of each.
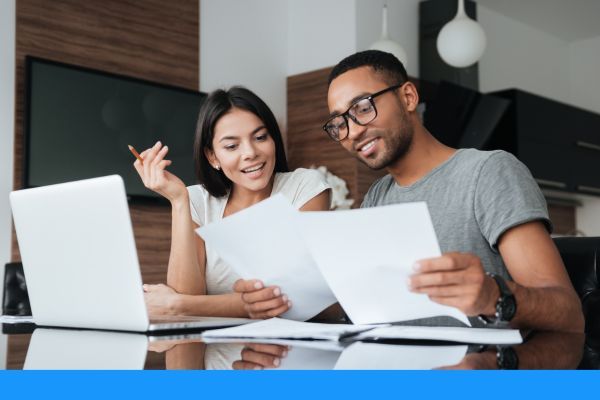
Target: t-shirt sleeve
(303, 185)
(197, 203)
(506, 195)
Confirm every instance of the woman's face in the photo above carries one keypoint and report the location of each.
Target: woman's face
(243, 149)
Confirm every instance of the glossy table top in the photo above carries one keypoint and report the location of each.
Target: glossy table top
(88, 349)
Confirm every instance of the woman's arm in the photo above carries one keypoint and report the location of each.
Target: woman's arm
(185, 292)
(164, 300)
(187, 261)
(320, 202)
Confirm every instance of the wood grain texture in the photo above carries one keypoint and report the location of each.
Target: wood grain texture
(17, 350)
(151, 39)
(563, 219)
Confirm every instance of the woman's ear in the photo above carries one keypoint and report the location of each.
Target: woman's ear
(212, 159)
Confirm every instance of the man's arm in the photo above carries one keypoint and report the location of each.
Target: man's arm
(545, 297)
(544, 293)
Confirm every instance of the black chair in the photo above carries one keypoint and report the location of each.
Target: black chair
(16, 299)
(581, 256)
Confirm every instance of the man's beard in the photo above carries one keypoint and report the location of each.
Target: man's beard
(396, 145)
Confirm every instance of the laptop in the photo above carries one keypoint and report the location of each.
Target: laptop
(80, 261)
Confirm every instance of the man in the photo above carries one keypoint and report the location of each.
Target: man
(487, 210)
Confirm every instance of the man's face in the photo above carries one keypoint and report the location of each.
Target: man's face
(388, 137)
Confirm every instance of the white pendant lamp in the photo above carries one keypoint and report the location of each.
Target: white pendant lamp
(461, 42)
(388, 45)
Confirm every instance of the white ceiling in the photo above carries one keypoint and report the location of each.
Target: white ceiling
(569, 20)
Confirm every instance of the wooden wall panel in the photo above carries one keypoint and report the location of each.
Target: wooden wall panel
(151, 39)
(563, 219)
(17, 345)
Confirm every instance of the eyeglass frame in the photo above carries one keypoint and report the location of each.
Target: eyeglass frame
(346, 114)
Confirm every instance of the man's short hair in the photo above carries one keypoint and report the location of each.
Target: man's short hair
(386, 64)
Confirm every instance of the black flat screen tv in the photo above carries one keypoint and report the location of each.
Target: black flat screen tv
(78, 123)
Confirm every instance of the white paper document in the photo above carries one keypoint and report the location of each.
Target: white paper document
(449, 334)
(263, 242)
(367, 255)
(399, 357)
(277, 328)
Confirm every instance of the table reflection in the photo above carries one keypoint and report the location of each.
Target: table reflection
(542, 350)
(86, 349)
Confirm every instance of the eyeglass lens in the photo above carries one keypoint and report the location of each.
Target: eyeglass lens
(362, 112)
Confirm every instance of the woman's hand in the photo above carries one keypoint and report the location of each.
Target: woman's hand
(260, 301)
(161, 300)
(261, 356)
(156, 177)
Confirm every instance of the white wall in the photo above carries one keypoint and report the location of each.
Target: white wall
(245, 43)
(260, 43)
(587, 216)
(584, 78)
(403, 27)
(519, 56)
(320, 33)
(7, 120)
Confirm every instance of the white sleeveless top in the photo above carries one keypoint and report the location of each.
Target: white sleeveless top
(298, 186)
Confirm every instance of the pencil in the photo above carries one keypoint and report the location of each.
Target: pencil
(136, 154)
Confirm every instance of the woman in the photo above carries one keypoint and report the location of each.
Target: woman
(240, 160)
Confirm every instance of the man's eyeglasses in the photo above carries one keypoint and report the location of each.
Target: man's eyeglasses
(361, 112)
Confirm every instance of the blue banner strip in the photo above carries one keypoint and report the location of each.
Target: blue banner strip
(169, 385)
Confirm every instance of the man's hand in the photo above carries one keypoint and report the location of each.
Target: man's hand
(261, 356)
(457, 280)
(260, 301)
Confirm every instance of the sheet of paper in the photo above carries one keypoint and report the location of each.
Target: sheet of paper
(277, 328)
(366, 257)
(263, 242)
(450, 334)
(390, 356)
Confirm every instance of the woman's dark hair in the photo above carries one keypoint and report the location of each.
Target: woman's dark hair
(217, 104)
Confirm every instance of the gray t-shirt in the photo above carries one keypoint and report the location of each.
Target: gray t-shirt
(473, 198)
